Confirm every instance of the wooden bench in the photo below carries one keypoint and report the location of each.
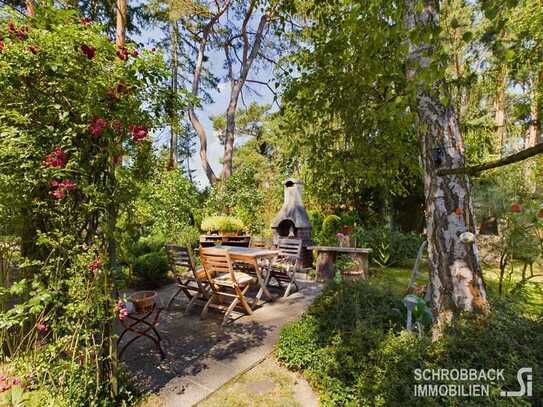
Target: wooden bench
(326, 261)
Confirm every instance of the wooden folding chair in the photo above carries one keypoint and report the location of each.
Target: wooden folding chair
(193, 283)
(283, 268)
(225, 283)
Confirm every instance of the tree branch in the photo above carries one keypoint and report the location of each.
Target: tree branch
(476, 169)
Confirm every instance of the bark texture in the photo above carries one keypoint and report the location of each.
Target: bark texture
(30, 8)
(532, 135)
(196, 79)
(499, 107)
(455, 272)
(174, 118)
(120, 33)
(249, 55)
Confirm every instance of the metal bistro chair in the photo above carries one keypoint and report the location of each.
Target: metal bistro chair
(226, 284)
(284, 267)
(193, 283)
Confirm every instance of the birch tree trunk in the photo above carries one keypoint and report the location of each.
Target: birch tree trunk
(499, 107)
(455, 271)
(532, 135)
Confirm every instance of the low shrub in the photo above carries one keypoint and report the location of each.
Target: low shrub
(147, 244)
(389, 246)
(352, 347)
(150, 269)
(330, 226)
(316, 219)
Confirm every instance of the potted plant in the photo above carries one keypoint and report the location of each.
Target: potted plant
(222, 225)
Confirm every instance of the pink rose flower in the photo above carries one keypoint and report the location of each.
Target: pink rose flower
(96, 126)
(57, 159)
(139, 132)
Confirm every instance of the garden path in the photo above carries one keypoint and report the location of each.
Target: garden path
(201, 356)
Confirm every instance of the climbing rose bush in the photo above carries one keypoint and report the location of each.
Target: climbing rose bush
(72, 106)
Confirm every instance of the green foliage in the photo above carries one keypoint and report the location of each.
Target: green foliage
(352, 346)
(330, 226)
(239, 196)
(316, 219)
(167, 204)
(151, 269)
(223, 224)
(147, 244)
(389, 246)
(346, 106)
(70, 110)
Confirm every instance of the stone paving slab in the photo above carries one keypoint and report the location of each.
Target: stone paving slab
(201, 356)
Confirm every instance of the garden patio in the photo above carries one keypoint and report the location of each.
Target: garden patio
(201, 355)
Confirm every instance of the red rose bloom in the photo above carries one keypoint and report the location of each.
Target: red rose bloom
(12, 28)
(57, 159)
(95, 265)
(515, 208)
(34, 49)
(60, 188)
(135, 53)
(122, 53)
(41, 327)
(1, 45)
(85, 21)
(139, 132)
(58, 193)
(67, 185)
(90, 52)
(97, 126)
(22, 33)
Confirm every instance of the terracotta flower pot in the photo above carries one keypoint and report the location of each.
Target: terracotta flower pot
(143, 300)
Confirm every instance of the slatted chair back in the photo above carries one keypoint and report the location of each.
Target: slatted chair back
(190, 281)
(179, 256)
(215, 262)
(291, 248)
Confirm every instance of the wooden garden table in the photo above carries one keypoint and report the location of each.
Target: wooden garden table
(251, 256)
(326, 261)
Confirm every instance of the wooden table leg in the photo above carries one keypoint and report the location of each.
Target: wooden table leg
(326, 265)
(262, 282)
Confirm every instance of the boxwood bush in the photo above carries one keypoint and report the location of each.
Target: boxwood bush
(352, 347)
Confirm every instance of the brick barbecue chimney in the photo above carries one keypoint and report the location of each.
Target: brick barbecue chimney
(292, 220)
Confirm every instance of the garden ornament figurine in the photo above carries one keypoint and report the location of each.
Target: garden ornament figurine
(410, 301)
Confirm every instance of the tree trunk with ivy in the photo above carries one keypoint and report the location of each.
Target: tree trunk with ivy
(455, 271)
